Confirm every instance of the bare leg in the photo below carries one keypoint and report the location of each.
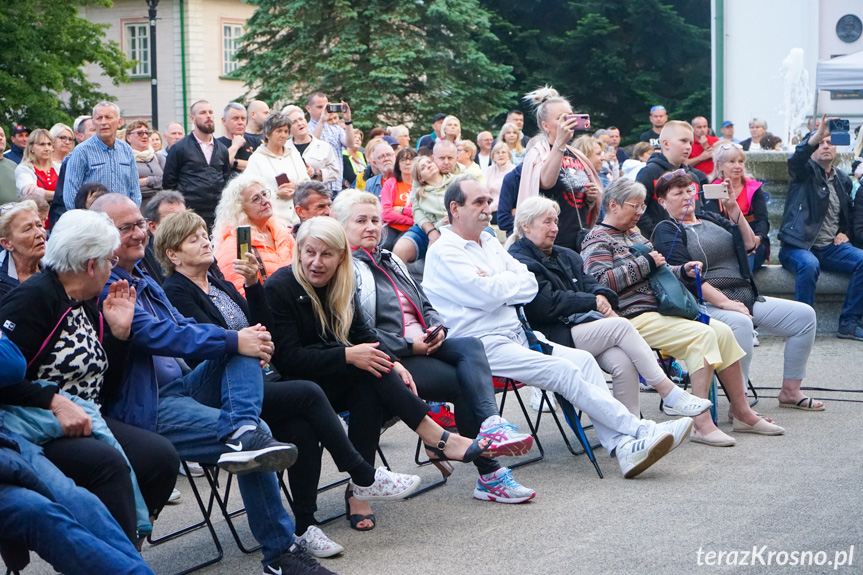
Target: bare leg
(405, 250)
(790, 392)
(701, 381)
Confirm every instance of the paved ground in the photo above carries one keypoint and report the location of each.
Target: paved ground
(791, 494)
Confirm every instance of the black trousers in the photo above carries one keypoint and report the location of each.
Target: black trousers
(298, 412)
(458, 372)
(101, 469)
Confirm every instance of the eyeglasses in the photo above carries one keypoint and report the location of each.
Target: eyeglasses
(669, 175)
(639, 208)
(129, 228)
(112, 260)
(258, 198)
(141, 133)
(66, 138)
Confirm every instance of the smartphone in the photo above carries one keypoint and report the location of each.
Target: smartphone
(282, 179)
(715, 191)
(335, 108)
(433, 333)
(839, 135)
(582, 122)
(244, 241)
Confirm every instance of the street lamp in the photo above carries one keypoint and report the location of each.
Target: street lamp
(154, 82)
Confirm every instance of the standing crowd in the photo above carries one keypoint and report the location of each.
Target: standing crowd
(225, 300)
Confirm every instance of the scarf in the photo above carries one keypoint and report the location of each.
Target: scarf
(145, 156)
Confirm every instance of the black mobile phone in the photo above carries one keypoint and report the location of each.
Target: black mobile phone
(433, 333)
(244, 241)
(335, 109)
(839, 129)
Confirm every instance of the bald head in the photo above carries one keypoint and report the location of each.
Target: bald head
(256, 113)
(699, 127)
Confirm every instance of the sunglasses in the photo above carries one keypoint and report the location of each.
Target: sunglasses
(730, 146)
(657, 108)
(669, 175)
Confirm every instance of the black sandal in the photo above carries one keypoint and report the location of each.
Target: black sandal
(473, 452)
(356, 518)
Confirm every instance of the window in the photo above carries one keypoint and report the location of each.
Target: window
(232, 34)
(137, 46)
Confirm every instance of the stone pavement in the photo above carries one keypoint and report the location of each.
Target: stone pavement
(791, 494)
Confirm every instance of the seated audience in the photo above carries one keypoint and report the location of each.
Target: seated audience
(150, 165)
(246, 202)
(443, 369)
(297, 411)
(36, 173)
(501, 165)
(571, 309)
(22, 237)
(160, 205)
(383, 159)
(397, 212)
(732, 297)
(507, 199)
(757, 130)
(311, 199)
(475, 284)
(704, 347)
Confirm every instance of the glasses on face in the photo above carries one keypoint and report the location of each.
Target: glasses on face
(258, 198)
(66, 139)
(129, 228)
(112, 260)
(669, 175)
(639, 208)
(141, 133)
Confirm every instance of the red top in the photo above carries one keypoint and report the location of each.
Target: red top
(46, 180)
(707, 165)
(396, 194)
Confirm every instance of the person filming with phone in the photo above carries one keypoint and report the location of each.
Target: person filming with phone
(555, 169)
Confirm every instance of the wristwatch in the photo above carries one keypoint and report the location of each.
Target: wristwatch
(235, 164)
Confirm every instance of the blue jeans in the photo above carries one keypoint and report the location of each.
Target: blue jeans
(806, 265)
(199, 409)
(757, 259)
(71, 529)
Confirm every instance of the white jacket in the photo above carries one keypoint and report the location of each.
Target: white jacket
(473, 305)
(265, 164)
(321, 156)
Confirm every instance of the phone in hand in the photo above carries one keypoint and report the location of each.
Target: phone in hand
(282, 179)
(582, 121)
(715, 191)
(335, 109)
(839, 132)
(244, 241)
(431, 335)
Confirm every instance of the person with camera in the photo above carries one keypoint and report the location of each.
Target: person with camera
(319, 108)
(817, 224)
(555, 169)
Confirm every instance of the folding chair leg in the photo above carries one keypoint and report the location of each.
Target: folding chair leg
(533, 427)
(212, 475)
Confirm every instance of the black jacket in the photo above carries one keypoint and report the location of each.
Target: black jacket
(201, 183)
(564, 289)
(303, 349)
(387, 321)
(508, 199)
(657, 165)
(191, 301)
(807, 201)
(664, 238)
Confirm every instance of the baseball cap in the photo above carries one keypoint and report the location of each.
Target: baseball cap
(726, 123)
(18, 128)
(438, 117)
(390, 140)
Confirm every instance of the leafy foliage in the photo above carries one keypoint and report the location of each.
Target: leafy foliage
(45, 49)
(393, 61)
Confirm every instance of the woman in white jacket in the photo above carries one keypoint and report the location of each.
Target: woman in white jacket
(321, 162)
(279, 165)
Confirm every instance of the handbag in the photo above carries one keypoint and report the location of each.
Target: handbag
(672, 296)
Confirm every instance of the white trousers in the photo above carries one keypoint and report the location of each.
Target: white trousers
(572, 373)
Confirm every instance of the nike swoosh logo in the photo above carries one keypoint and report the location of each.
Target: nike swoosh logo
(237, 447)
(276, 571)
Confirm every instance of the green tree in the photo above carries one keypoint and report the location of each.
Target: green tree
(45, 48)
(614, 59)
(393, 61)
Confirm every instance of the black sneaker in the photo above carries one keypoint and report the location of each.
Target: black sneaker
(296, 562)
(256, 450)
(850, 332)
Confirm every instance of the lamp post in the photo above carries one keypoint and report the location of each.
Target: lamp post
(154, 82)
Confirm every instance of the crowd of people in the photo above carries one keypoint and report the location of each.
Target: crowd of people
(168, 297)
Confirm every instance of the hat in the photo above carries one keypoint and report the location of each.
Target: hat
(726, 124)
(18, 128)
(438, 118)
(390, 140)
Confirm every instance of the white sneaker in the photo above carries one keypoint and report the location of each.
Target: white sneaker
(387, 485)
(319, 545)
(637, 455)
(678, 428)
(687, 405)
(194, 468)
(174, 498)
(547, 406)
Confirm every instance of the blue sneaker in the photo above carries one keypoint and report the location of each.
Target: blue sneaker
(256, 450)
(501, 487)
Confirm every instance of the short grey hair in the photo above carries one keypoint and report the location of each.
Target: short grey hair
(288, 110)
(110, 199)
(307, 189)
(346, 199)
(443, 144)
(13, 209)
(151, 210)
(107, 103)
(622, 190)
(273, 122)
(232, 106)
(529, 210)
(78, 237)
(758, 122)
(398, 131)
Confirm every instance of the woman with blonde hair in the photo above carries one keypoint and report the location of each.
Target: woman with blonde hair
(36, 174)
(511, 136)
(320, 334)
(64, 140)
(451, 129)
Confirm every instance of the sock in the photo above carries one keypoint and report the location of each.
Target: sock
(241, 431)
(494, 475)
(672, 397)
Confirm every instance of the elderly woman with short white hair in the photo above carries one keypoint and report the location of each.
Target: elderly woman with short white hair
(64, 140)
(22, 237)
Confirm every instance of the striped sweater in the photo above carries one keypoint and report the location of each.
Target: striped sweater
(607, 258)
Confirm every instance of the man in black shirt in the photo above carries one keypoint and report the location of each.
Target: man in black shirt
(240, 146)
(658, 118)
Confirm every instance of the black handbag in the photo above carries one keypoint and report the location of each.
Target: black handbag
(672, 296)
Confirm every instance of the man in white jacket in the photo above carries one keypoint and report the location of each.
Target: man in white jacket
(474, 284)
